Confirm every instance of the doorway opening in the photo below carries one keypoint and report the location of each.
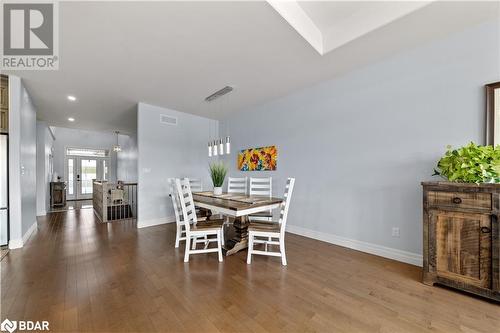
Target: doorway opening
(82, 166)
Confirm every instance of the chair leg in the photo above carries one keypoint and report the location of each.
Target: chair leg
(186, 254)
(222, 235)
(250, 248)
(282, 250)
(219, 245)
(195, 240)
(177, 236)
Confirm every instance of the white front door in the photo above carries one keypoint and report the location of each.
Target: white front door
(80, 173)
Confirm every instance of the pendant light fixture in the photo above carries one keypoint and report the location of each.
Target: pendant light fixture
(219, 146)
(117, 148)
(228, 145)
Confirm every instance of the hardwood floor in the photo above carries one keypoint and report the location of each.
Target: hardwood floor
(85, 276)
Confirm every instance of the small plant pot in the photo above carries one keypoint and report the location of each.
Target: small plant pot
(217, 190)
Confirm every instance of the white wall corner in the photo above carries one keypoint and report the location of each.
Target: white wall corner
(378, 250)
(153, 222)
(19, 242)
(41, 213)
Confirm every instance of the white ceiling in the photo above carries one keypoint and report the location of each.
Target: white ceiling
(174, 54)
(327, 25)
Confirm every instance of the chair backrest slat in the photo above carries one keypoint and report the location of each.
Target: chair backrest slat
(196, 185)
(237, 185)
(186, 202)
(286, 204)
(261, 186)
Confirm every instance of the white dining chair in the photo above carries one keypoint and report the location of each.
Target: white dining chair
(259, 230)
(196, 185)
(195, 230)
(180, 233)
(237, 185)
(262, 187)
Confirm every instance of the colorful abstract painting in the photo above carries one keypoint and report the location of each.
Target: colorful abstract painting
(258, 159)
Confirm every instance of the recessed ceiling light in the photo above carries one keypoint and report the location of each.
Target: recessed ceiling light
(71, 119)
(71, 98)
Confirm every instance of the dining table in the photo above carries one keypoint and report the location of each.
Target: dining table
(237, 207)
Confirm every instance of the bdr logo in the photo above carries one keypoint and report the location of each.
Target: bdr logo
(8, 325)
(24, 325)
(30, 35)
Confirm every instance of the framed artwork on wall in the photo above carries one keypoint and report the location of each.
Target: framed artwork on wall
(258, 159)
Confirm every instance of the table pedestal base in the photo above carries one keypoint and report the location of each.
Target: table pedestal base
(239, 241)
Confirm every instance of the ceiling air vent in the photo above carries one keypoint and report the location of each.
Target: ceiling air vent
(169, 120)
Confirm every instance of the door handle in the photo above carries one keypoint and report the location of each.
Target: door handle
(485, 230)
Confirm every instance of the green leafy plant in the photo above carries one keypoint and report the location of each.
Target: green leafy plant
(218, 171)
(470, 164)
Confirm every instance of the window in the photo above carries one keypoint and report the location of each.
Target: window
(87, 152)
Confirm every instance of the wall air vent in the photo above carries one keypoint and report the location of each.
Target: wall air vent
(219, 93)
(169, 120)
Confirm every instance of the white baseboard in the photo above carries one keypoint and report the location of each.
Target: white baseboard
(19, 242)
(15, 243)
(153, 222)
(30, 232)
(379, 250)
(42, 213)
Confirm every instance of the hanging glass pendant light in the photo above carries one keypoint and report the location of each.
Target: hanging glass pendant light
(215, 148)
(117, 148)
(228, 145)
(221, 147)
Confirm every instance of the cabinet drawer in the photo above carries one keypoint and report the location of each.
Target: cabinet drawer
(460, 199)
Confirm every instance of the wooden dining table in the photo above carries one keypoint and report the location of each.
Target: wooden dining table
(238, 207)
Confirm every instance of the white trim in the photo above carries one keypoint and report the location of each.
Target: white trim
(15, 244)
(19, 243)
(42, 213)
(153, 222)
(378, 250)
(30, 232)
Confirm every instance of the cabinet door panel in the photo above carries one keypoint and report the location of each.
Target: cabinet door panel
(463, 247)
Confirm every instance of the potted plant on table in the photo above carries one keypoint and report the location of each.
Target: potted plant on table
(470, 164)
(218, 171)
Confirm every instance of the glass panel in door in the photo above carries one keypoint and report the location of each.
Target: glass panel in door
(70, 172)
(88, 172)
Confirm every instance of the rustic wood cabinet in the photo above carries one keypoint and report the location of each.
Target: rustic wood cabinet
(57, 194)
(461, 237)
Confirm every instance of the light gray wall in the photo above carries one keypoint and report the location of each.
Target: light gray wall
(360, 145)
(127, 159)
(44, 146)
(69, 137)
(166, 151)
(22, 162)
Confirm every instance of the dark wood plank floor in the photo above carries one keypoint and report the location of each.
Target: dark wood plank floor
(85, 276)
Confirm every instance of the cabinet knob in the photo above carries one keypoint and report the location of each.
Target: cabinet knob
(485, 230)
(457, 200)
